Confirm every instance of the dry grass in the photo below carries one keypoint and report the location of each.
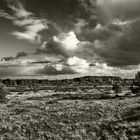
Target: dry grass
(52, 116)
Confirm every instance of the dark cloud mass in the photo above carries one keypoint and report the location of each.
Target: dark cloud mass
(65, 13)
(121, 49)
(40, 62)
(8, 58)
(119, 41)
(21, 54)
(95, 31)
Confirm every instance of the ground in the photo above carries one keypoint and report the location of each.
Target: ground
(44, 115)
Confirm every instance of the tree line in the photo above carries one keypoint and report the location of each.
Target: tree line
(81, 81)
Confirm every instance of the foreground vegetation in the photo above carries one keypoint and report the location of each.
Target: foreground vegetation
(55, 116)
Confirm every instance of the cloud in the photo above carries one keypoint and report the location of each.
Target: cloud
(26, 20)
(73, 65)
(67, 12)
(115, 38)
(78, 27)
(25, 36)
(98, 22)
(41, 62)
(8, 58)
(80, 33)
(15, 62)
(18, 67)
(77, 64)
(19, 55)
(49, 60)
(55, 70)
(64, 44)
(18, 9)
(102, 69)
(127, 9)
(122, 48)
(67, 41)
(32, 29)
(24, 70)
(5, 15)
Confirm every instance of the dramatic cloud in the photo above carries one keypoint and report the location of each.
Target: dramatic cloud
(122, 48)
(64, 44)
(20, 17)
(66, 12)
(115, 38)
(107, 32)
(78, 36)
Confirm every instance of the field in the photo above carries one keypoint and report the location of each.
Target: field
(78, 115)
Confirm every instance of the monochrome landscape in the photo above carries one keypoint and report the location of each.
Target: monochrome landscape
(69, 69)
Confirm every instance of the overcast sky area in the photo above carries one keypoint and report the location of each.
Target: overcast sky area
(68, 38)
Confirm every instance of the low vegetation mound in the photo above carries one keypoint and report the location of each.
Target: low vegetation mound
(2, 93)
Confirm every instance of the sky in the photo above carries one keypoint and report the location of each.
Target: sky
(58, 39)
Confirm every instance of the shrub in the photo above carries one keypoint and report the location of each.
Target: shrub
(117, 88)
(2, 93)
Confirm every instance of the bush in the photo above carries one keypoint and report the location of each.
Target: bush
(2, 93)
(117, 88)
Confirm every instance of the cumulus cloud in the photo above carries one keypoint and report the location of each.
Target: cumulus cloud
(78, 64)
(64, 44)
(67, 41)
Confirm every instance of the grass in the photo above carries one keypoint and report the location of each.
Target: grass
(63, 116)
